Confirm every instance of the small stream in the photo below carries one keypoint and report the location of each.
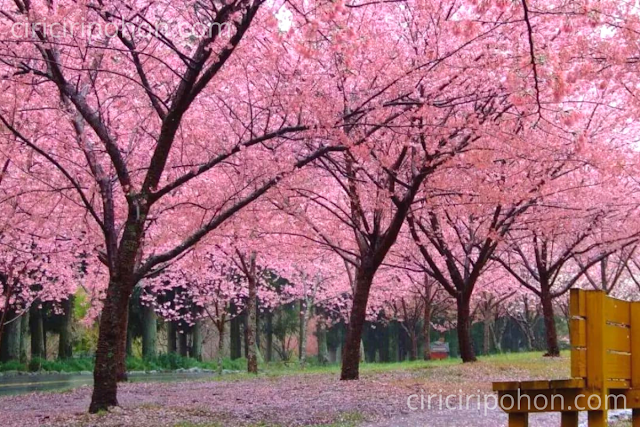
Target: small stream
(27, 383)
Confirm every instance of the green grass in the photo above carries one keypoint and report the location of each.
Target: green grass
(164, 362)
(532, 363)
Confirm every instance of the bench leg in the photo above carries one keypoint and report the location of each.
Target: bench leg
(519, 420)
(569, 419)
(598, 419)
(636, 418)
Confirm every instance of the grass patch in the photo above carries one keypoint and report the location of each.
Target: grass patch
(164, 362)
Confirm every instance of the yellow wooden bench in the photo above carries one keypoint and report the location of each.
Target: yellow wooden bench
(605, 367)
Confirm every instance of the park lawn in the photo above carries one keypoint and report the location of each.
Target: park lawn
(446, 375)
(285, 395)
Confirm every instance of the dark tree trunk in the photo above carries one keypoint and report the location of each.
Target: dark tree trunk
(321, 335)
(149, 332)
(183, 348)
(220, 355)
(196, 338)
(235, 346)
(269, 333)
(351, 352)
(426, 332)
(413, 354)
(24, 336)
(44, 340)
(65, 350)
(402, 343)
(553, 349)
(110, 352)
(172, 341)
(245, 333)
(486, 336)
(465, 342)
(37, 333)
(384, 344)
(10, 344)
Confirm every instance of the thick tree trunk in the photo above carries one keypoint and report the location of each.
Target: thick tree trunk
(121, 352)
(553, 349)
(465, 342)
(10, 344)
(110, 352)
(65, 350)
(351, 352)
(37, 333)
(426, 333)
(252, 358)
(24, 336)
(196, 344)
(149, 332)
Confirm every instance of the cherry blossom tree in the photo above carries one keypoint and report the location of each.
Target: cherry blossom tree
(137, 169)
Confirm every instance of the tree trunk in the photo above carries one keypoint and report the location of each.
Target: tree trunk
(323, 351)
(24, 336)
(413, 355)
(10, 344)
(37, 333)
(252, 359)
(172, 339)
(182, 339)
(486, 336)
(351, 352)
(245, 327)
(235, 338)
(467, 352)
(384, 343)
(302, 347)
(44, 340)
(149, 332)
(196, 337)
(110, 352)
(553, 349)
(426, 332)
(269, 332)
(220, 345)
(65, 350)
(402, 342)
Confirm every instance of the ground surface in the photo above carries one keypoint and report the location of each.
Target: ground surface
(312, 398)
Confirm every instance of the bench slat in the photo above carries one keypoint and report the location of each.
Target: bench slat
(617, 338)
(617, 311)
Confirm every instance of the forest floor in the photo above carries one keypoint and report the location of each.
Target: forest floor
(314, 397)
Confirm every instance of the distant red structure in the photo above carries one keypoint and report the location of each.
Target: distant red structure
(439, 350)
